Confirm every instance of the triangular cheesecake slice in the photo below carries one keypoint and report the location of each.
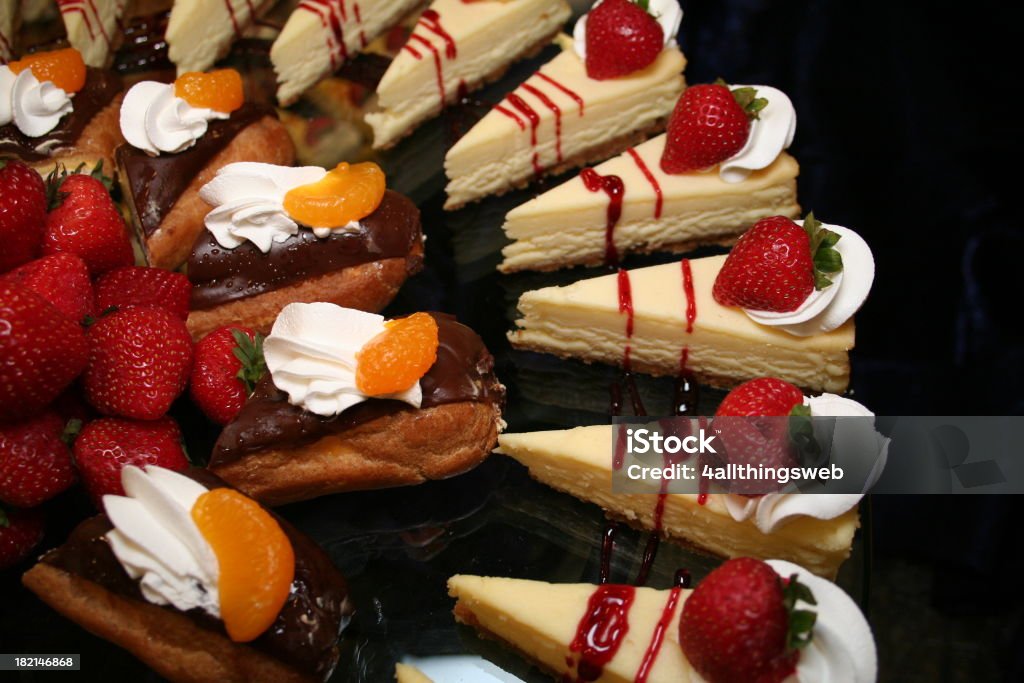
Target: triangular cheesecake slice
(540, 620)
(558, 119)
(93, 27)
(579, 462)
(199, 32)
(455, 48)
(579, 223)
(320, 35)
(662, 318)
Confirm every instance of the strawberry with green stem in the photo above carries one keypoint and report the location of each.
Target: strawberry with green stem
(228, 364)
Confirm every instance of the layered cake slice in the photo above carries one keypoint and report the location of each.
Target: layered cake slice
(200, 32)
(56, 110)
(724, 319)
(814, 530)
(320, 35)
(610, 87)
(352, 402)
(278, 235)
(93, 27)
(455, 48)
(746, 621)
(640, 201)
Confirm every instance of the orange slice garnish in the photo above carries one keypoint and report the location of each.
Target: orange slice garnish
(345, 194)
(396, 358)
(64, 68)
(256, 560)
(219, 90)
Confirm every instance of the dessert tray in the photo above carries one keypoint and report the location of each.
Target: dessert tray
(514, 231)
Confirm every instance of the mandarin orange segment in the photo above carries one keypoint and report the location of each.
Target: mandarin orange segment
(256, 560)
(345, 194)
(396, 358)
(64, 68)
(220, 90)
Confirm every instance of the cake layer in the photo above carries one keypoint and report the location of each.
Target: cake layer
(321, 34)
(586, 320)
(455, 48)
(541, 620)
(571, 117)
(579, 462)
(568, 224)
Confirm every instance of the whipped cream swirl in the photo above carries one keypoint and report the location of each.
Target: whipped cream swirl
(773, 510)
(157, 542)
(35, 107)
(156, 120)
(667, 13)
(842, 648)
(825, 310)
(770, 133)
(311, 354)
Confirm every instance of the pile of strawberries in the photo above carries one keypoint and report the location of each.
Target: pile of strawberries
(93, 351)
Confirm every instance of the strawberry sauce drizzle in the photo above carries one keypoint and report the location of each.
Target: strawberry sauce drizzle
(612, 186)
(659, 200)
(534, 118)
(359, 20)
(658, 637)
(87, 8)
(573, 95)
(512, 115)
(602, 629)
(547, 102)
(437, 62)
(325, 10)
(431, 21)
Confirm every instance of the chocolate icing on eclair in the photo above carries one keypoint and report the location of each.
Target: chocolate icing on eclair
(156, 182)
(100, 89)
(463, 371)
(221, 275)
(305, 633)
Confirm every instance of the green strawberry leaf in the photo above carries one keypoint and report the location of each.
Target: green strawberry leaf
(250, 354)
(801, 431)
(71, 430)
(643, 4)
(747, 99)
(827, 260)
(801, 621)
(3, 519)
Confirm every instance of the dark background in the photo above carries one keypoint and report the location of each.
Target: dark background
(908, 130)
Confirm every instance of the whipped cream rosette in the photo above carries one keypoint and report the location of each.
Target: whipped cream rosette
(37, 91)
(170, 117)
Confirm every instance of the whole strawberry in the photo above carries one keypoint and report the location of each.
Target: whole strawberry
(20, 532)
(621, 38)
(140, 286)
(709, 124)
(228, 363)
(22, 214)
(739, 625)
(35, 463)
(139, 362)
(765, 396)
(106, 445)
(61, 279)
(83, 220)
(42, 351)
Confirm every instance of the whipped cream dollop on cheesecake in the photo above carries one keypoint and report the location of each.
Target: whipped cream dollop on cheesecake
(159, 544)
(827, 309)
(312, 351)
(842, 647)
(155, 119)
(667, 13)
(770, 133)
(34, 106)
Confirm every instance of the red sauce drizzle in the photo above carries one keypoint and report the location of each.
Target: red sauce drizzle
(329, 19)
(547, 102)
(626, 306)
(431, 20)
(359, 19)
(437, 62)
(659, 200)
(234, 20)
(512, 115)
(691, 299)
(602, 629)
(567, 91)
(534, 118)
(613, 187)
(658, 637)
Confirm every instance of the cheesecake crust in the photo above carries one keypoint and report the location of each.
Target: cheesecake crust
(170, 643)
(400, 449)
(366, 286)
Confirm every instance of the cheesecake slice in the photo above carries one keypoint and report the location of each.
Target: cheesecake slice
(579, 223)
(657, 320)
(93, 28)
(320, 35)
(579, 462)
(199, 32)
(455, 48)
(559, 119)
